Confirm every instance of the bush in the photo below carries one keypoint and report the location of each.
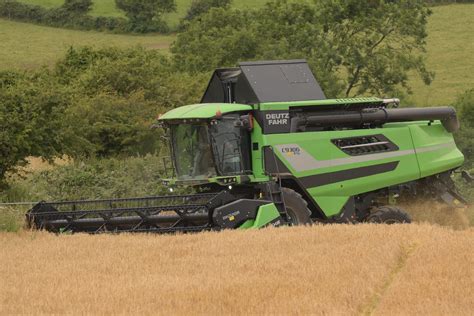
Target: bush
(465, 136)
(31, 118)
(444, 2)
(146, 15)
(18, 11)
(119, 94)
(79, 7)
(90, 179)
(199, 7)
(72, 14)
(93, 103)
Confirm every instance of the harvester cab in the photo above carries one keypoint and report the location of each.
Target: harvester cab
(265, 147)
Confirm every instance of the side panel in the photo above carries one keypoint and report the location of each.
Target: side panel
(331, 176)
(257, 143)
(435, 149)
(267, 215)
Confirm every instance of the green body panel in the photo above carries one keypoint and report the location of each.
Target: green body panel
(448, 156)
(266, 214)
(203, 111)
(257, 153)
(286, 105)
(423, 150)
(331, 204)
(209, 110)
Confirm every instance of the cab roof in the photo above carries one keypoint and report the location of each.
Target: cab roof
(203, 111)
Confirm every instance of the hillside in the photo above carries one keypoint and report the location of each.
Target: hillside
(449, 55)
(362, 269)
(24, 45)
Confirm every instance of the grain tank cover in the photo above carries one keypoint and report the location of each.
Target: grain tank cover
(264, 81)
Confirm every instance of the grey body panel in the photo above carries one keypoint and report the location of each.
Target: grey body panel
(266, 81)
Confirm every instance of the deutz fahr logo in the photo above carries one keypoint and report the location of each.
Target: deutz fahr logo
(277, 118)
(291, 151)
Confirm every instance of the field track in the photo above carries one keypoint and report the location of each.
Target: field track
(350, 269)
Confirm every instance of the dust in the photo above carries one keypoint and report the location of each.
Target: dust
(432, 212)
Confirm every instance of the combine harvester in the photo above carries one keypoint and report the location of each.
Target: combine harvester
(265, 147)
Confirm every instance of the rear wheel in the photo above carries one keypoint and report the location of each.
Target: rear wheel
(296, 208)
(389, 215)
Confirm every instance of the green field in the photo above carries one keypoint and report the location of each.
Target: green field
(450, 55)
(24, 45)
(450, 45)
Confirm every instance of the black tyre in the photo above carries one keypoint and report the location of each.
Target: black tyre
(389, 215)
(296, 208)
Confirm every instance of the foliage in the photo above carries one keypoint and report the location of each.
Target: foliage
(11, 219)
(31, 116)
(119, 95)
(219, 38)
(146, 15)
(199, 7)
(92, 178)
(72, 14)
(93, 103)
(443, 2)
(465, 137)
(18, 11)
(78, 6)
(341, 39)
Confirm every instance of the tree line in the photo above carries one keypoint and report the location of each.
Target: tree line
(102, 102)
(142, 16)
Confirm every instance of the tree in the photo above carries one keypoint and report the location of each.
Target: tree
(31, 118)
(465, 136)
(118, 95)
(218, 39)
(94, 102)
(79, 7)
(199, 7)
(146, 15)
(354, 47)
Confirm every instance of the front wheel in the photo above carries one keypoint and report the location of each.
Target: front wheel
(389, 215)
(296, 208)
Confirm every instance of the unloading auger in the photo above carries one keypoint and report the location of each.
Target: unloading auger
(265, 147)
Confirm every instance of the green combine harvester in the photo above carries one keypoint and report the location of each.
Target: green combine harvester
(265, 147)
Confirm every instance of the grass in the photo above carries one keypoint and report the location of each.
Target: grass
(450, 46)
(338, 269)
(24, 45)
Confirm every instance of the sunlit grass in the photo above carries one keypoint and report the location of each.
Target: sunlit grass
(24, 45)
(450, 55)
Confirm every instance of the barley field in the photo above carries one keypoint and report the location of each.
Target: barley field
(333, 269)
